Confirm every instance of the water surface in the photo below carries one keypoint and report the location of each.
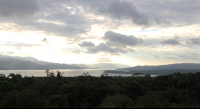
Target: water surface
(67, 72)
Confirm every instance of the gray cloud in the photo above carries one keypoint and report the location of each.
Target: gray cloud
(45, 40)
(193, 41)
(130, 50)
(115, 43)
(86, 44)
(124, 10)
(122, 40)
(45, 14)
(159, 12)
(179, 12)
(151, 42)
(162, 22)
(75, 24)
(188, 55)
(154, 55)
(173, 42)
(18, 8)
(102, 47)
(115, 9)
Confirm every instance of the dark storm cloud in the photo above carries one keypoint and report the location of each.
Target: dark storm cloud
(18, 8)
(172, 42)
(86, 44)
(113, 38)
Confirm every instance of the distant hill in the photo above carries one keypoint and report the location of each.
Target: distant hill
(61, 66)
(159, 70)
(31, 63)
(184, 66)
(15, 64)
(152, 72)
(2, 68)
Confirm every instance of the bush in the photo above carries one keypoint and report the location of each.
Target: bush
(117, 101)
(27, 81)
(11, 100)
(25, 99)
(153, 100)
(2, 77)
(59, 100)
(5, 87)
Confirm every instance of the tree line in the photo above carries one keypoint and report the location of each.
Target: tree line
(177, 90)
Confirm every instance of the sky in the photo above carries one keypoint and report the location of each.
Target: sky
(131, 32)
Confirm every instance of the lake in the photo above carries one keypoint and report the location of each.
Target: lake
(67, 72)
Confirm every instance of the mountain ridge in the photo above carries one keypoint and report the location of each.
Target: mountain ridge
(11, 63)
(187, 66)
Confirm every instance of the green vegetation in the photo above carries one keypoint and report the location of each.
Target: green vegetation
(175, 90)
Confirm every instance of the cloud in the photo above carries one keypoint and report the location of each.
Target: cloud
(175, 11)
(86, 44)
(18, 8)
(115, 43)
(121, 11)
(102, 47)
(182, 55)
(7, 52)
(45, 40)
(172, 42)
(116, 39)
(104, 60)
(77, 51)
(154, 55)
(151, 41)
(20, 44)
(124, 10)
(193, 41)
(53, 18)
(162, 22)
